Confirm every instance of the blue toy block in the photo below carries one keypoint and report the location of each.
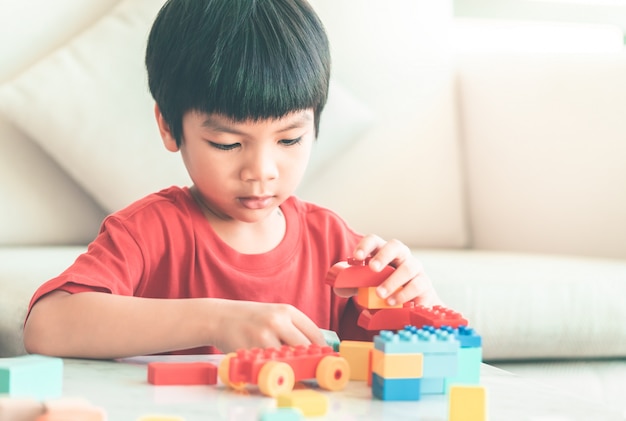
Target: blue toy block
(433, 340)
(34, 376)
(397, 343)
(433, 386)
(441, 365)
(281, 414)
(396, 389)
(469, 360)
(468, 338)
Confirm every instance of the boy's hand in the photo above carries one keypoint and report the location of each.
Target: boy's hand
(247, 324)
(407, 283)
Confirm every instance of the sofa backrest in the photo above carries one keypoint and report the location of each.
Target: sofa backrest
(544, 141)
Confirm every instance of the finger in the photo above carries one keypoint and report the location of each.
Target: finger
(368, 245)
(393, 252)
(308, 328)
(417, 290)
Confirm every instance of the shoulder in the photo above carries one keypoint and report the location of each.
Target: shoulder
(316, 216)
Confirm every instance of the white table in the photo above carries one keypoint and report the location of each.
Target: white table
(121, 388)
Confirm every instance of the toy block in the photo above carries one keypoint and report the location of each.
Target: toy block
(74, 414)
(468, 373)
(281, 414)
(432, 340)
(60, 404)
(397, 366)
(182, 373)
(356, 274)
(331, 339)
(468, 338)
(310, 402)
(467, 403)
(34, 376)
(368, 298)
(440, 365)
(436, 316)
(403, 342)
(433, 386)
(19, 409)
(396, 389)
(357, 354)
(384, 318)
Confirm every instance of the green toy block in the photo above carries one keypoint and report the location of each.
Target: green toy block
(34, 376)
(331, 339)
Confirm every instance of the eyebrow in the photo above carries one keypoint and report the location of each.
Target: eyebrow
(215, 124)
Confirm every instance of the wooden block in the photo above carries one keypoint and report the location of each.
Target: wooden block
(467, 403)
(19, 409)
(33, 376)
(310, 402)
(181, 373)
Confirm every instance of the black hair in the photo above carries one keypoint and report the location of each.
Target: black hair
(244, 59)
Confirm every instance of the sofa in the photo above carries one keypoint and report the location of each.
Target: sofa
(502, 169)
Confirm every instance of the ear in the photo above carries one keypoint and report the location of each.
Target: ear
(166, 134)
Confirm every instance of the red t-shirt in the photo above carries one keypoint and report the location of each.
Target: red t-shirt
(163, 247)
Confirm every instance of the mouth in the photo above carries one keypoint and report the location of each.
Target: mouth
(256, 202)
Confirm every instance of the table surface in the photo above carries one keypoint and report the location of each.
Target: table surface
(121, 388)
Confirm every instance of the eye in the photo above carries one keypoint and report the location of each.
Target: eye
(224, 147)
(290, 142)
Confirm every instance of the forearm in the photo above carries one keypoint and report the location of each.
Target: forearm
(99, 325)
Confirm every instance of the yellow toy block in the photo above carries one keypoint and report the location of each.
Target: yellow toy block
(19, 409)
(310, 402)
(397, 366)
(357, 353)
(467, 403)
(367, 297)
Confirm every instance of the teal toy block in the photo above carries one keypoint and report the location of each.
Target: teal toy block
(434, 340)
(281, 414)
(469, 361)
(441, 365)
(331, 339)
(34, 376)
(433, 386)
(396, 389)
(402, 342)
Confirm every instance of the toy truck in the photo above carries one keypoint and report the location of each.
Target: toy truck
(275, 370)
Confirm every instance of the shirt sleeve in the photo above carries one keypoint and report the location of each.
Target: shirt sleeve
(113, 263)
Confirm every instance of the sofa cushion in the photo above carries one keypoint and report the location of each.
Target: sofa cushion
(95, 114)
(530, 306)
(22, 270)
(544, 142)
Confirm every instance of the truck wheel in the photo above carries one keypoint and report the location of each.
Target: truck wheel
(332, 373)
(223, 371)
(276, 378)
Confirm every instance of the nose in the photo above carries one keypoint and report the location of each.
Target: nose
(259, 165)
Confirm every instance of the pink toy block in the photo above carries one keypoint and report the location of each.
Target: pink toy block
(436, 316)
(181, 373)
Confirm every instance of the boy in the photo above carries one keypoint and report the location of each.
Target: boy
(234, 261)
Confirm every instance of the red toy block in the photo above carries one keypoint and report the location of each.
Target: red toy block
(436, 316)
(356, 274)
(385, 318)
(181, 373)
(275, 370)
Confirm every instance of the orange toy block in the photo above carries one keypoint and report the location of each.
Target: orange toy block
(74, 414)
(310, 402)
(397, 366)
(177, 373)
(467, 403)
(368, 298)
(19, 409)
(357, 353)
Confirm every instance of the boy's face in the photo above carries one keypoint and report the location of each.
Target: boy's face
(244, 170)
